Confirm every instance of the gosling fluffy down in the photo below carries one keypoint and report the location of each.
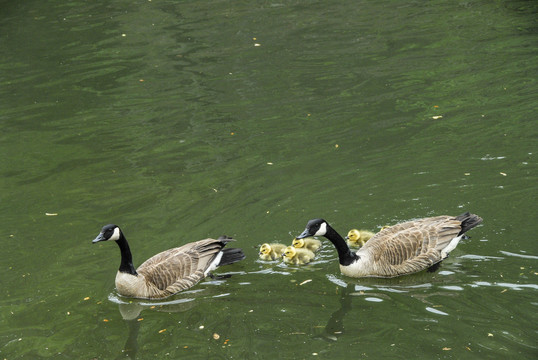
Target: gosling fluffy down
(271, 252)
(170, 271)
(295, 256)
(307, 243)
(357, 238)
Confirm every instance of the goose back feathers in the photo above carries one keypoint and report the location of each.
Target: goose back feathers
(170, 271)
(401, 249)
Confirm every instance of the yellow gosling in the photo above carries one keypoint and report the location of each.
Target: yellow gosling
(269, 252)
(357, 238)
(307, 243)
(295, 256)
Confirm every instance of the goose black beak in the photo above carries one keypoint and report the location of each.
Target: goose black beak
(303, 235)
(98, 238)
(346, 238)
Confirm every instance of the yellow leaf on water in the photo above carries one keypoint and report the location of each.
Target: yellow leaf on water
(216, 336)
(86, 298)
(161, 331)
(437, 117)
(447, 348)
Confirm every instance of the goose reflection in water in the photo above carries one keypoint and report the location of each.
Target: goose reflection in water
(130, 312)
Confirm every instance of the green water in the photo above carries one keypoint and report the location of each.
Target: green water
(180, 120)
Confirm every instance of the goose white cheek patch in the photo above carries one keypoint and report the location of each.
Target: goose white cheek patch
(116, 234)
(322, 230)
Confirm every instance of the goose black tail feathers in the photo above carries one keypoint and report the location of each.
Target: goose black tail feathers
(230, 256)
(468, 221)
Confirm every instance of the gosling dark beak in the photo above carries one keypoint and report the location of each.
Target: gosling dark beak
(98, 238)
(347, 238)
(303, 235)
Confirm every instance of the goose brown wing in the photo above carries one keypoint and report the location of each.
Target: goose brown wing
(412, 246)
(180, 268)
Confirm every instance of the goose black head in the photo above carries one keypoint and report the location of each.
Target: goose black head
(108, 232)
(315, 227)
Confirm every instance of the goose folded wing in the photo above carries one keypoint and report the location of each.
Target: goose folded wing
(403, 251)
(174, 268)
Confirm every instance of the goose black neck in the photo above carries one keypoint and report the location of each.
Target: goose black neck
(126, 264)
(345, 255)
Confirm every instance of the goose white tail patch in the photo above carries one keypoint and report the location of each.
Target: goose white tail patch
(214, 264)
(322, 229)
(451, 246)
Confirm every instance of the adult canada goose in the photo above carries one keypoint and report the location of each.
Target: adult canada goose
(357, 238)
(295, 256)
(170, 271)
(401, 249)
(271, 251)
(307, 243)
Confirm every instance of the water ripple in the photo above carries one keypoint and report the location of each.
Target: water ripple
(518, 255)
